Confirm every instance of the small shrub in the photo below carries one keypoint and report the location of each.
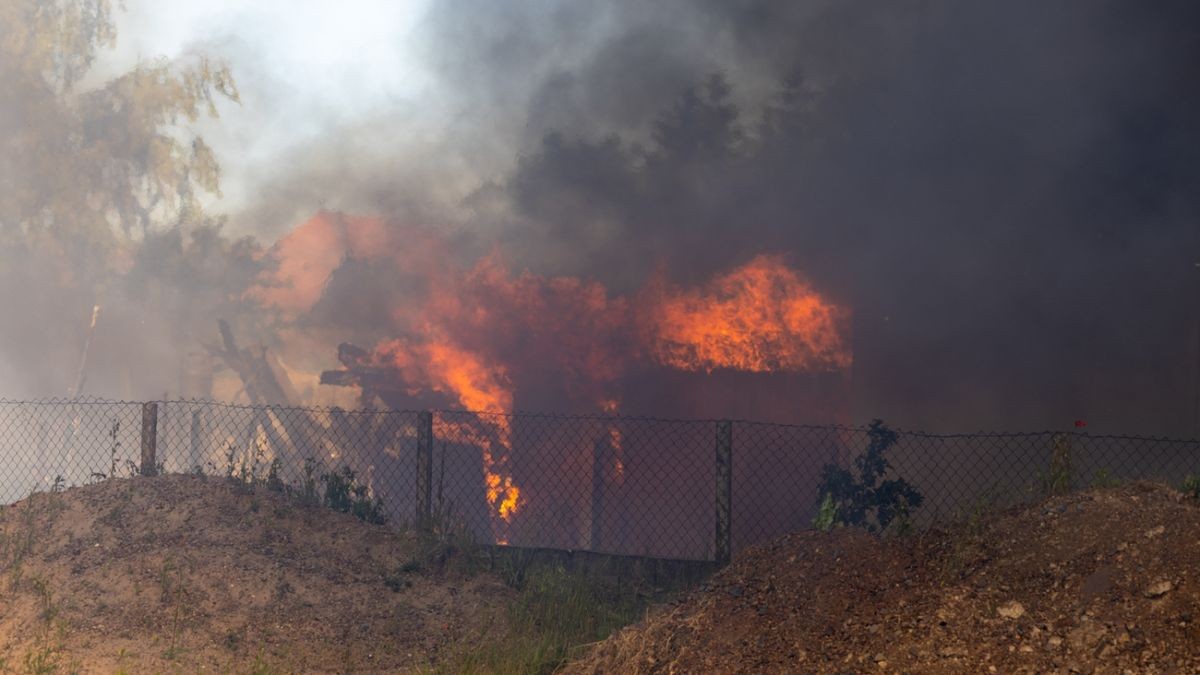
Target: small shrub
(230, 454)
(308, 484)
(115, 447)
(866, 500)
(1059, 476)
(274, 482)
(1105, 479)
(344, 493)
(397, 582)
(1191, 486)
(826, 515)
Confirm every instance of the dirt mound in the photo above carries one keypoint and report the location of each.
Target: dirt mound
(185, 573)
(1098, 581)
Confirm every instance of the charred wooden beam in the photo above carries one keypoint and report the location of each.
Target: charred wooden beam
(295, 432)
(262, 377)
(370, 378)
(352, 356)
(359, 373)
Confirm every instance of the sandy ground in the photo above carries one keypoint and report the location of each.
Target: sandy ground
(194, 574)
(1104, 581)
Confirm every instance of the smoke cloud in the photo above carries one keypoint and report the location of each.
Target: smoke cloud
(1003, 194)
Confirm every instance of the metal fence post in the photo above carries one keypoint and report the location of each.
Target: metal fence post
(724, 535)
(424, 468)
(149, 439)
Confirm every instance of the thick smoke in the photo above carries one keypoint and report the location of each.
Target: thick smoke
(1004, 193)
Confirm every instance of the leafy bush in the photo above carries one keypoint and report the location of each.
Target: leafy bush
(866, 500)
(344, 493)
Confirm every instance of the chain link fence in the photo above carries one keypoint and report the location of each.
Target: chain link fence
(678, 489)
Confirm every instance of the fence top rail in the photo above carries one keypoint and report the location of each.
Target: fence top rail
(596, 417)
(61, 401)
(1041, 434)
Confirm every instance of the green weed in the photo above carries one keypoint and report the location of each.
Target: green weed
(308, 483)
(826, 516)
(555, 612)
(176, 597)
(1191, 486)
(46, 654)
(17, 541)
(966, 537)
(1105, 479)
(1059, 477)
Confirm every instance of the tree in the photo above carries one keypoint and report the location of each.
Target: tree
(88, 173)
(82, 165)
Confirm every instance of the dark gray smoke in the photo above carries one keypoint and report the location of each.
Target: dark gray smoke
(1005, 193)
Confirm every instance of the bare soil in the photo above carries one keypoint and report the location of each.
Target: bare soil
(194, 574)
(1103, 581)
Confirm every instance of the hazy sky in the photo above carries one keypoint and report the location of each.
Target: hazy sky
(437, 98)
(303, 67)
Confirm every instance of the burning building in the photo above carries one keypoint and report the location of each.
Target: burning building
(757, 341)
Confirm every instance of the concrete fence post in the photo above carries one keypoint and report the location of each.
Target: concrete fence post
(424, 512)
(149, 439)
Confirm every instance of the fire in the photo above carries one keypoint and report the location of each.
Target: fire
(478, 333)
(306, 258)
(478, 386)
(761, 317)
(617, 440)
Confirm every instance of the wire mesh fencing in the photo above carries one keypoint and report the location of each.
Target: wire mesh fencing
(678, 489)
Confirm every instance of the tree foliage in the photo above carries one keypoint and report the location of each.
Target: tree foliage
(102, 185)
(82, 170)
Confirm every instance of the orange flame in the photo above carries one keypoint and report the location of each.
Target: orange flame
(441, 366)
(478, 386)
(307, 257)
(481, 388)
(617, 440)
(761, 317)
